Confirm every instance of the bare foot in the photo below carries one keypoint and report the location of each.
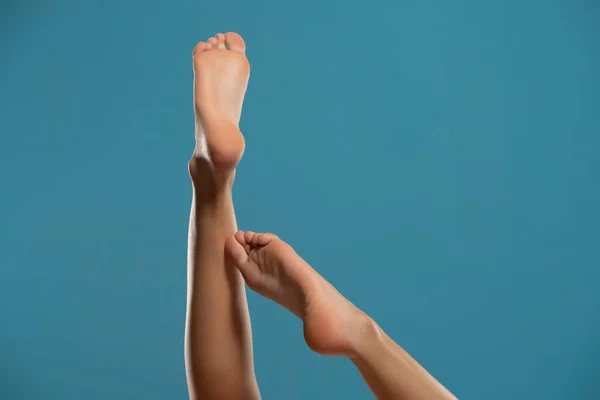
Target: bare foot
(221, 72)
(332, 325)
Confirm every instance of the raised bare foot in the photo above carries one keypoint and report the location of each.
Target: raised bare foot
(332, 324)
(221, 72)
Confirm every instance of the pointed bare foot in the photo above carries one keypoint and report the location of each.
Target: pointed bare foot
(332, 325)
(221, 72)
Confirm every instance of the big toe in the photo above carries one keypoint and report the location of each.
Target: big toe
(236, 251)
(235, 42)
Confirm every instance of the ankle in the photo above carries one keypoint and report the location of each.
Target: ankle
(208, 179)
(366, 336)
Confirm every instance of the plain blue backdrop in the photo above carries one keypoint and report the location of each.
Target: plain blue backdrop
(437, 161)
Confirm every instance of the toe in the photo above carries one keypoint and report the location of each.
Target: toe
(235, 251)
(221, 41)
(248, 236)
(208, 46)
(200, 47)
(258, 239)
(213, 42)
(238, 256)
(239, 236)
(264, 239)
(241, 239)
(235, 42)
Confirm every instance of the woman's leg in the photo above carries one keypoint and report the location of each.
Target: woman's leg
(219, 362)
(332, 325)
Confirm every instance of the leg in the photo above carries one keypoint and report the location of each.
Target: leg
(332, 325)
(219, 362)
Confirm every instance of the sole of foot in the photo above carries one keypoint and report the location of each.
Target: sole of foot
(271, 267)
(221, 72)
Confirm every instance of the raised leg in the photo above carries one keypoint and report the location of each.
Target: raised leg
(219, 361)
(332, 324)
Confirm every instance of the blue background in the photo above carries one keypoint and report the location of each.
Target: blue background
(438, 162)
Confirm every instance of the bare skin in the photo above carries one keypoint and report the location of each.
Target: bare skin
(332, 324)
(218, 341)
